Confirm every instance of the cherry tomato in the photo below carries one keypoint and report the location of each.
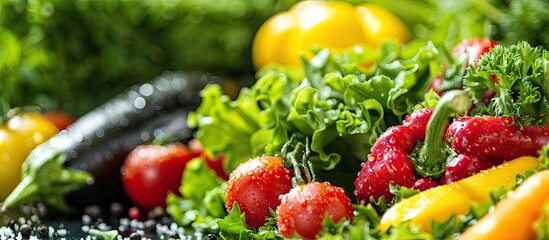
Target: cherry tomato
(60, 119)
(216, 164)
(19, 135)
(150, 172)
(256, 185)
(304, 208)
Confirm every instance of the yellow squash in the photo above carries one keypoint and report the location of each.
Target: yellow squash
(454, 199)
(514, 217)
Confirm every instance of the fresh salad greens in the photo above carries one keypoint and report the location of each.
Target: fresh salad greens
(203, 202)
(522, 89)
(340, 101)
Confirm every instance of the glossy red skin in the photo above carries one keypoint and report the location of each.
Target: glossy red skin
(389, 161)
(304, 208)
(150, 172)
(465, 165)
(418, 120)
(256, 185)
(495, 137)
(474, 48)
(425, 183)
(60, 119)
(216, 164)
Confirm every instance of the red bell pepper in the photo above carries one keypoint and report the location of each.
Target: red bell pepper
(425, 150)
(395, 156)
(488, 139)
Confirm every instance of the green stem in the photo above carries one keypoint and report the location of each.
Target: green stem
(490, 11)
(291, 160)
(434, 154)
(46, 180)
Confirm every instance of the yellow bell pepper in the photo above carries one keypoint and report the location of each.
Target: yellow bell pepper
(514, 216)
(454, 199)
(337, 25)
(18, 137)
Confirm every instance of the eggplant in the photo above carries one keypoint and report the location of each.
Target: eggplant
(81, 165)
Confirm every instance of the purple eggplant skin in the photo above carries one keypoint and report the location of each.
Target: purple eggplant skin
(81, 165)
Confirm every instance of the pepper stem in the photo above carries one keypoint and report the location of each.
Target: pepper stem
(434, 154)
(46, 180)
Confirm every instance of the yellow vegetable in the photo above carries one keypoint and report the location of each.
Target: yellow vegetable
(18, 137)
(336, 25)
(454, 199)
(514, 216)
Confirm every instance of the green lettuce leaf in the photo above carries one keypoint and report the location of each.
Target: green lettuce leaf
(203, 201)
(341, 101)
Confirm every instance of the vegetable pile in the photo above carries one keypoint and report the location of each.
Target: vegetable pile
(391, 135)
(383, 119)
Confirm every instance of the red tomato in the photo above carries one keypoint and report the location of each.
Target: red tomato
(150, 172)
(304, 208)
(215, 164)
(256, 185)
(60, 119)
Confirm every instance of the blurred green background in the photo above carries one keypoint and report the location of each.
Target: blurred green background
(73, 55)
(53, 51)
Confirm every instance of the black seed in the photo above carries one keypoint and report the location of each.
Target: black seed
(25, 230)
(135, 236)
(167, 220)
(150, 225)
(93, 211)
(175, 235)
(211, 236)
(43, 230)
(25, 209)
(11, 224)
(117, 209)
(42, 209)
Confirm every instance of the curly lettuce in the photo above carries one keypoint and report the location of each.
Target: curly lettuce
(341, 101)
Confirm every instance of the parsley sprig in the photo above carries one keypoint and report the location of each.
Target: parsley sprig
(522, 86)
